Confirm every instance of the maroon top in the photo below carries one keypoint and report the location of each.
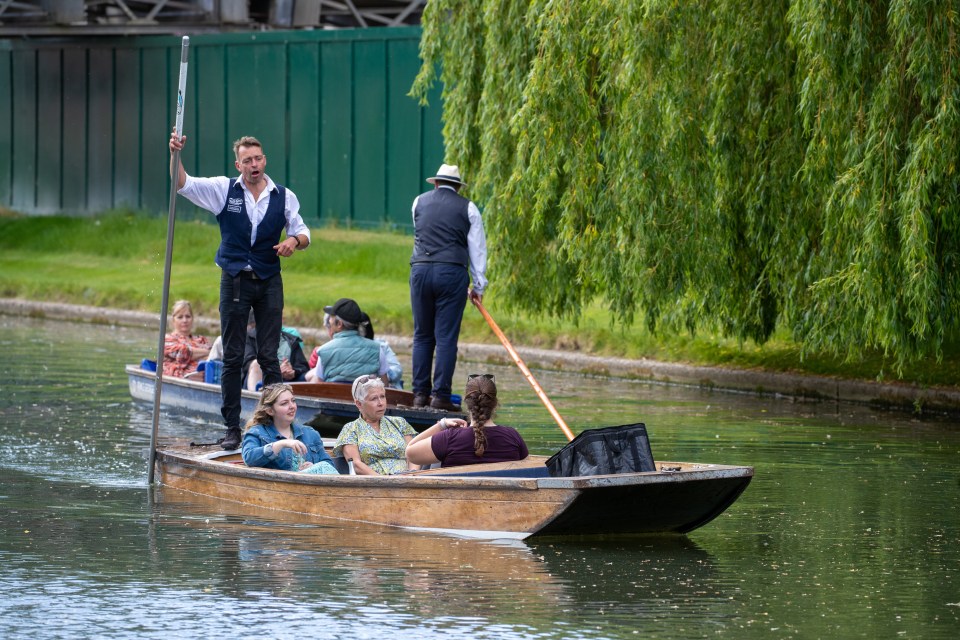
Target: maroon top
(454, 446)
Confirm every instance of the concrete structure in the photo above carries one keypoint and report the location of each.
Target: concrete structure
(114, 17)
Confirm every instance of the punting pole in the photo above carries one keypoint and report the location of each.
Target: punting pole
(171, 219)
(526, 372)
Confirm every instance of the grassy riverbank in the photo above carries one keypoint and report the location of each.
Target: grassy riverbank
(116, 260)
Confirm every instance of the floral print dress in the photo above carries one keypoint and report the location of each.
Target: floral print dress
(384, 452)
(178, 358)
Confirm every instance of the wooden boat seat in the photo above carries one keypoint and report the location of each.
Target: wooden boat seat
(340, 463)
(520, 472)
(531, 467)
(343, 391)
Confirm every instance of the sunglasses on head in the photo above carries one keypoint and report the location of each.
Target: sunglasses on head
(488, 376)
(367, 378)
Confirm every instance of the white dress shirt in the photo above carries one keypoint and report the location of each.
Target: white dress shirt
(211, 194)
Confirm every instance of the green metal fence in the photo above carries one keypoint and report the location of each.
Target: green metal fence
(85, 122)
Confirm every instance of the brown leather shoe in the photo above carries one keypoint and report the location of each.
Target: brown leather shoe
(444, 405)
(420, 400)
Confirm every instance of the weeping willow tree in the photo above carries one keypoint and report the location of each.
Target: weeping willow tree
(734, 165)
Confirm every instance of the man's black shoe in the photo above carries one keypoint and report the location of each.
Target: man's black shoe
(420, 400)
(231, 440)
(444, 405)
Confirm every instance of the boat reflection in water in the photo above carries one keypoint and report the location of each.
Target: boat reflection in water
(635, 576)
(431, 577)
(254, 554)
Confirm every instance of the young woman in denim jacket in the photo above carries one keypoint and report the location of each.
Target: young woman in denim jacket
(274, 441)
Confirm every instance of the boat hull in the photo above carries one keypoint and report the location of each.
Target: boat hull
(466, 502)
(657, 507)
(326, 414)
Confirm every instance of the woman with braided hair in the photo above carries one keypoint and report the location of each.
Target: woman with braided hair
(453, 442)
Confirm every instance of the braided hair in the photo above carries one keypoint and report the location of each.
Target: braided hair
(481, 400)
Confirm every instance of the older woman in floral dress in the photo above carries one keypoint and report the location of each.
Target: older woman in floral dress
(376, 442)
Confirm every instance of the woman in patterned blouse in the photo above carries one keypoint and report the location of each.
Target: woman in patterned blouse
(181, 349)
(377, 443)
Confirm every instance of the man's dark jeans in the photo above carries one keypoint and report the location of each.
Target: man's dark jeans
(237, 297)
(438, 296)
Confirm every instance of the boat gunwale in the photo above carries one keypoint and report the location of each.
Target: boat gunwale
(207, 462)
(186, 383)
(281, 476)
(315, 405)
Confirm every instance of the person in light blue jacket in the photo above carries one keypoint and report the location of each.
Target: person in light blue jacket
(394, 378)
(347, 355)
(274, 441)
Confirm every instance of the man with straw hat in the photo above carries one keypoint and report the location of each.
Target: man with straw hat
(449, 249)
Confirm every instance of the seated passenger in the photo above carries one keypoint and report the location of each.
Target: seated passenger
(293, 364)
(273, 440)
(375, 442)
(394, 370)
(315, 354)
(485, 441)
(182, 350)
(216, 351)
(347, 354)
(394, 376)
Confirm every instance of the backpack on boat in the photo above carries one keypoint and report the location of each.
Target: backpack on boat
(594, 452)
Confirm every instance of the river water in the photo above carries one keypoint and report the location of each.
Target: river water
(849, 529)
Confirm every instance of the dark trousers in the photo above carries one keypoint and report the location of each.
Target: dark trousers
(438, 296)
(237, 297)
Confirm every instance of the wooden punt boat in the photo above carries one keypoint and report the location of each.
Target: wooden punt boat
(326, 406)
(504, 500)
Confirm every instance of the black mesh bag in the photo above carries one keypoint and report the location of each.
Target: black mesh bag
(623, 449)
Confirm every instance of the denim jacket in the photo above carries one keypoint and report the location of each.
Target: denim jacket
(257, 437)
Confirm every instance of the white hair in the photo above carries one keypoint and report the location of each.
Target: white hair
(360, 388)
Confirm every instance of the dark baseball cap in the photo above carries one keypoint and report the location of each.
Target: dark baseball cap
(346, 309)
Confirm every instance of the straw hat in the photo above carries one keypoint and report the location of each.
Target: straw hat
(448, 173)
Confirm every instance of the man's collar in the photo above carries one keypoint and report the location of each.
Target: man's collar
(271, 186)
